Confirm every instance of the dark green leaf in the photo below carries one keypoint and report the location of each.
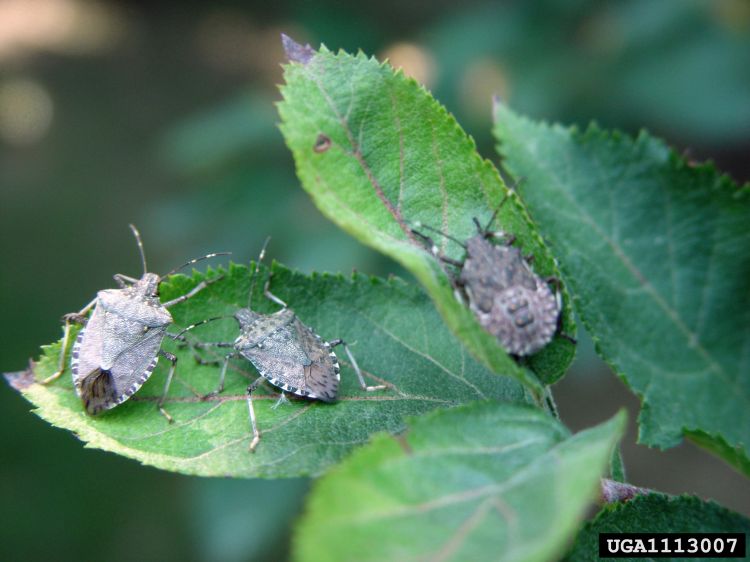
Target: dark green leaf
(480, 482)
(396, 336)
(656, 513)
(378, 154)
(656, 251)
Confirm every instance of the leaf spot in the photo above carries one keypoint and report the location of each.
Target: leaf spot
(322, 144)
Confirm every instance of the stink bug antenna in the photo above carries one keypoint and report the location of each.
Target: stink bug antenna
(138, 241)
(195, 260)
(436, 231)
(179, 335)
(255, 272)
(494, 214)
(497, 209)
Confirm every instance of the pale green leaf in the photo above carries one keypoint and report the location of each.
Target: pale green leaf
(378, 154)
(479, 482)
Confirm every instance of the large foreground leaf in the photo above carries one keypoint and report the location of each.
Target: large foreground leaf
(656, 252)
(480, 482)
(378, 154)
(397, 338)
(656, 513)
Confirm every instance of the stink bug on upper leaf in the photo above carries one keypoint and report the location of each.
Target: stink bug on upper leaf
(286, 352)
(510, 301)
(119, 346)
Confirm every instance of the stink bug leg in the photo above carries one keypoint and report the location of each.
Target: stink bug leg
(74, 317)
(251, 412)
(160, 404)
(222, 377)
(120, 343)
(355, 366)
(286, 353)
(270, 296)
(434, 247)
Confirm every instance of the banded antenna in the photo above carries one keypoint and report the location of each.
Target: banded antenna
(195, 260)
(494, 215)
(505, 198)
(181, 333)
(255, 272)
(138, 241)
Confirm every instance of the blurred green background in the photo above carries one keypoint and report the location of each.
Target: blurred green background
(163, 115)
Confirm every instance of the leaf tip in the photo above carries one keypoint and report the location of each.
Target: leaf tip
(21, 380)
(615, 492)
(296, 52)
(620, 420)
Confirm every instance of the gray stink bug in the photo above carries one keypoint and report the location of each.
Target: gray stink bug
(119, 346)
(510, 301)
(286, 352)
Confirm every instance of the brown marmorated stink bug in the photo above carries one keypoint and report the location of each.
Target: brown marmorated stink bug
(510, 301)
(119, 346)
(285, 352)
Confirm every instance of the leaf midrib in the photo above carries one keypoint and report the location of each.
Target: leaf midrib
(357, 153)
(490, 490)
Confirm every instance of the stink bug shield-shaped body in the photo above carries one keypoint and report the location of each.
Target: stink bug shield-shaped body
(286, 352)
(119, 346)
(510, 301)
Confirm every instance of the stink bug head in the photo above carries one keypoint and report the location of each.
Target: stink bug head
(245, 317)
(148, 285)
(477, 245)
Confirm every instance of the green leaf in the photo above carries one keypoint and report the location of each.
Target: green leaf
(655, 250)
(479, 482)
(378, 154)
(393, 330)
(656, 513)
(617, 466)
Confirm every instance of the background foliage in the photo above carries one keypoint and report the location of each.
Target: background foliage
(163, 116)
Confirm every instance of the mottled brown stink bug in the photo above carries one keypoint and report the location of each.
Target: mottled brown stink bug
(119, 346)
(510, 301)
(286, 352)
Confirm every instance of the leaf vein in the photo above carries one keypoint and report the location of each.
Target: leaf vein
(451, 546)
(397, 119)
(443, 192)
(425, 356)
(358, 156)
(671, 313)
